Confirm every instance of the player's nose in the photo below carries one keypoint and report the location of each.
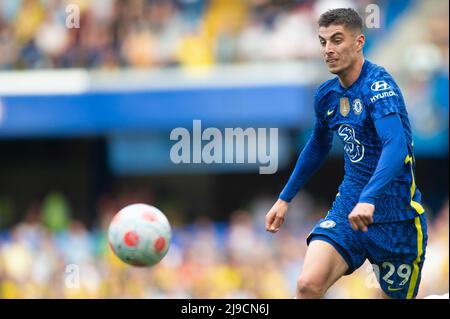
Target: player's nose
(329, 49)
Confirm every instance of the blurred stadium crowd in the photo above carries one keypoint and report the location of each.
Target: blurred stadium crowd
(51, 255)
(153, 33)
(149, 33)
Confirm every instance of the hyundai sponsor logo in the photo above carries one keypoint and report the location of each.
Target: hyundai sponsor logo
(380, 86)
(381, 96)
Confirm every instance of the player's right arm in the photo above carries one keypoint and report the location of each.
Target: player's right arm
(309, 161)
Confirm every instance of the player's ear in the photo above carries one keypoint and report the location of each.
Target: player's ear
(360, 41)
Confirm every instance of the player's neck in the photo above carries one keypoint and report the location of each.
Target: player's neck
(349, 76)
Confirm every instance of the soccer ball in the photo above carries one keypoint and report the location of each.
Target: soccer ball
(140, 235)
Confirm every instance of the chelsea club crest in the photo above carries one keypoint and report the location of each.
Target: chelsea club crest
(357, 106)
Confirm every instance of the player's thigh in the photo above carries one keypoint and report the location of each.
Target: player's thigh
(323, 264)
(334, 250)
(397, 250)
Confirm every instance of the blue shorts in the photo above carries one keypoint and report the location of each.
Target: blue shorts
(395, 249)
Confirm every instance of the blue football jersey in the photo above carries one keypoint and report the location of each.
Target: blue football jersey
(350, 113)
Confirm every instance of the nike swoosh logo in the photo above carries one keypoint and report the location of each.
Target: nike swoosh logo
(330, 111)
(394, 289)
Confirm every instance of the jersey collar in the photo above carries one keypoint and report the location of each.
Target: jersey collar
(340, 89)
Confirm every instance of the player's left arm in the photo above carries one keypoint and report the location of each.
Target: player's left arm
(390, 131)
(391, 134)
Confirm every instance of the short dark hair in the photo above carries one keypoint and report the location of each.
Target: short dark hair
(347, 17)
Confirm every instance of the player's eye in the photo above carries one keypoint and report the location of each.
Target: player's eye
(322, 43)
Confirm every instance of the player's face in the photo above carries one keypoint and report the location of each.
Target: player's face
(340, 47)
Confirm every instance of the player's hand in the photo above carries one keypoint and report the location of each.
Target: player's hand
(275, 216)
(361, 216)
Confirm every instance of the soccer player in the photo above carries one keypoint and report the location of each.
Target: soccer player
(376, 214)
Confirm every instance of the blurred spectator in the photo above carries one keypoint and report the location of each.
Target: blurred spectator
(55, 212)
